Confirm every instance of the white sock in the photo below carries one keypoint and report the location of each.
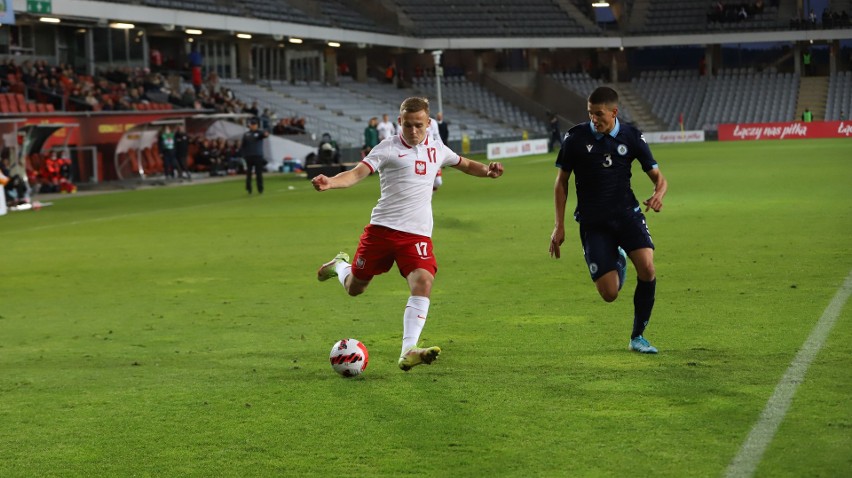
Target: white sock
(414, 320)
(343, 270)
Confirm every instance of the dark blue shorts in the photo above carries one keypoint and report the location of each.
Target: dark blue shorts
(601, 240)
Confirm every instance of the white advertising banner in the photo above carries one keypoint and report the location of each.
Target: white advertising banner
(674, 137)
(516, 148)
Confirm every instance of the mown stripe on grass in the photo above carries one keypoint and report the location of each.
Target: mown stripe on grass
(750, 454)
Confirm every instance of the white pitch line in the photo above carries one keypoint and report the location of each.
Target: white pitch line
(762, 433)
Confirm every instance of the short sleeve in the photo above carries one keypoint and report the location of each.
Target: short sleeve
(564, 158)
(644, 155)
(375, 156)
(450, 157)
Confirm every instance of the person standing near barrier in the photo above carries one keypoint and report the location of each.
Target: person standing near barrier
(555, 133)
(443, 128)
(807, 116)
(252, 152)
(167, 149)
(182, 152)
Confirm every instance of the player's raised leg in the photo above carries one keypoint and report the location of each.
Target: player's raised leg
(330, 268)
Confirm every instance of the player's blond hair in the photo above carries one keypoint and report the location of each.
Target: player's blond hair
(414, 104)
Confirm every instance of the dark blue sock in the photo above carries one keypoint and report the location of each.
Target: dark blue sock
(643, 303)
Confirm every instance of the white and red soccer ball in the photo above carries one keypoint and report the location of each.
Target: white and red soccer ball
(349, 357)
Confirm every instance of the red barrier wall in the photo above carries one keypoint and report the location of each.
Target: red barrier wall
(790, 130)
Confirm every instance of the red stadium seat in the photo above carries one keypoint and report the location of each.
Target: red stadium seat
(49, 107)
(32, 108)
(42, 108)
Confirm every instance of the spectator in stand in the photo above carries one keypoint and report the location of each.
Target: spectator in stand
(108, 104)
(281, 127)
(297, 125)
(91, 101)
(195, 61)
(390, 72)
(266, 118)
(252, 110)
(156, 59)
(213, 85)
(807, 116)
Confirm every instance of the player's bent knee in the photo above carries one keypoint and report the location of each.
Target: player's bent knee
(646, 273)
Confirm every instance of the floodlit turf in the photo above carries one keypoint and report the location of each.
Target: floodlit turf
(182, 332)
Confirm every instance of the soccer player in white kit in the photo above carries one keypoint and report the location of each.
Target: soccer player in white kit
(400, 226)
(386, 128)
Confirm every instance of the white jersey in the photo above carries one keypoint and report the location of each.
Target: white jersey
(406, 175)
(386, 130)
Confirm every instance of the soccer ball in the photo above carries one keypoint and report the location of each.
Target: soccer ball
(349, 357)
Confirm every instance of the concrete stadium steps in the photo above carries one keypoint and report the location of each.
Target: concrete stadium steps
(813, 94)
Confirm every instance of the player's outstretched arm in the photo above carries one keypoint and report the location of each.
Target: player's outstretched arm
(345, 179)
(655, 202)
(482, 170)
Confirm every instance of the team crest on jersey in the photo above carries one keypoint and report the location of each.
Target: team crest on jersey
(622, 149)
(420, 167)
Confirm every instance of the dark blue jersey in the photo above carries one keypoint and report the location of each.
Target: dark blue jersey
(601, 167)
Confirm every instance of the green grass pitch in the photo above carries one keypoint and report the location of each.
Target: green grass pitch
(182, 332)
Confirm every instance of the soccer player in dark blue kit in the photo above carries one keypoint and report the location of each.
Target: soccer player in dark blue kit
(600, 154)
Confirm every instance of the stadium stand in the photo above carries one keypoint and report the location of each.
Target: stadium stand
(474, 98)
(582, 84)
(734, 93)
(204, 6)
(344, 110)
(473, 18)
(839, 103)
(343, 16)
